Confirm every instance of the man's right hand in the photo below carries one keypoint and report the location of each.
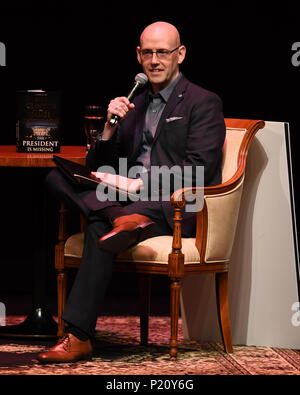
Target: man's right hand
(119, 106)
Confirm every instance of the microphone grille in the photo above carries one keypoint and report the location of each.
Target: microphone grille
(141, 78)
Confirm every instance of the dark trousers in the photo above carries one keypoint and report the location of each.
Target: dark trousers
(93, 276)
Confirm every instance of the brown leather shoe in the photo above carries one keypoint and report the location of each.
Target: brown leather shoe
(68, 349)
(127, 230)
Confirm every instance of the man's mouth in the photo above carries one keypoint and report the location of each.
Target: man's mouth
(156, 71)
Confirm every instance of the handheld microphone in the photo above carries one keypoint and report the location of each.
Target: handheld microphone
(140, 80)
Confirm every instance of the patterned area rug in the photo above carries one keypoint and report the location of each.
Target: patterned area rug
(117, 352)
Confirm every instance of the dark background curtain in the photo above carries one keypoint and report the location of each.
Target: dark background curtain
(86, 50)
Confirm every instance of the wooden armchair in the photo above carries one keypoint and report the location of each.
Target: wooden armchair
(208, 252)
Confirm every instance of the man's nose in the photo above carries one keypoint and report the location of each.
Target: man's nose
(154, 58)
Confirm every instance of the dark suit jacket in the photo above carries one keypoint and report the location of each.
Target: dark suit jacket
(191, 132)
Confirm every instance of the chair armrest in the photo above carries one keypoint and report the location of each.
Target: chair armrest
(179, 199)
(182, 195)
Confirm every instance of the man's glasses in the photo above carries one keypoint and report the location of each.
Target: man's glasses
(161, 54)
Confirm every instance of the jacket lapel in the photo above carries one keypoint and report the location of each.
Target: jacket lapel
(140, 106)
(176, 97)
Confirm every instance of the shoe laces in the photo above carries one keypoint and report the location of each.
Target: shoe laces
(66, 342)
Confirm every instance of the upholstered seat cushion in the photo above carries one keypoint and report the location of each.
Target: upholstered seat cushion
(155, 249)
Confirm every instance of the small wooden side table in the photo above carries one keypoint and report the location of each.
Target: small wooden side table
(9, 157)
(39, 323)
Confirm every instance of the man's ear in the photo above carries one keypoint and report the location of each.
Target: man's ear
(181, 54)
(138, 54)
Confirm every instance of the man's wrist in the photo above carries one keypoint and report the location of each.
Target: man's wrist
(108, 131)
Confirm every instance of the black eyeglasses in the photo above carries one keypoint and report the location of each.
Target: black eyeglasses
(147, 54)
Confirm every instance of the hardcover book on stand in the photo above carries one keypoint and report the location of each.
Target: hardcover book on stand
(38, 121)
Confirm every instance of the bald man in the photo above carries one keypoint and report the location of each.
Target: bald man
(170, 123)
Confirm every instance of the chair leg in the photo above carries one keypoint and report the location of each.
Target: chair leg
(61, 301)
(145, 295)
(223, 309)
(175, 298)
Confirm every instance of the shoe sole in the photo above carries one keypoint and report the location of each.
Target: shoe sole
(120, 241)
(87, 357)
